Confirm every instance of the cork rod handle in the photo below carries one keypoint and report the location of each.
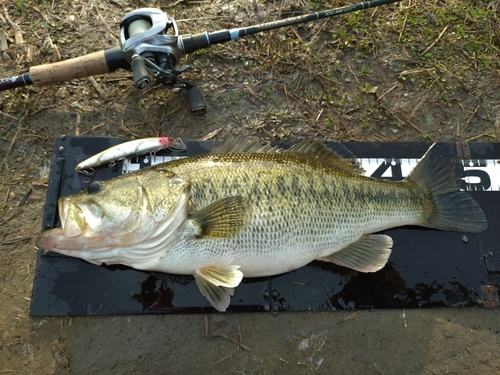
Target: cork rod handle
(80, 67)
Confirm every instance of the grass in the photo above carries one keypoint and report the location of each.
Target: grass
(439, 48)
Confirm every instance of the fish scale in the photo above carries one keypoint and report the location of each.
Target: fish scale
(248, 210)
(298, 208)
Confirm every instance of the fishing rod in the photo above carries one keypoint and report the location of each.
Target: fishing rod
(151, 47)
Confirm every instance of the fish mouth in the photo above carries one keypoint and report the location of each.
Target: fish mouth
(84, 227)
(77, 218)
(138, 248)
(55, 240)
(72, 220)
(77, 221)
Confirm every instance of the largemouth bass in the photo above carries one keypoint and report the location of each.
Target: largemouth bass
(248, 210)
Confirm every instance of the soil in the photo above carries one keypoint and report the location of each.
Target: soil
(412, 72)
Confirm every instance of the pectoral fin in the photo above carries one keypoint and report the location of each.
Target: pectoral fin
(368, 254)
(222, 219)
(217, 284)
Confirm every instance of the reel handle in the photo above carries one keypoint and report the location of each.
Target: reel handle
(196, 103)
(141, 74)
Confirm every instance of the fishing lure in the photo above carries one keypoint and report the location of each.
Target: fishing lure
(135, 147)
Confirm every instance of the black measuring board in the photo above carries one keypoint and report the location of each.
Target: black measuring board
(427, 268)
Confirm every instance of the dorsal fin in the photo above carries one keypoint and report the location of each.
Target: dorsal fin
(335, 156)
(239, 144)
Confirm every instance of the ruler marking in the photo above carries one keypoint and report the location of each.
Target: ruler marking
(480, 174)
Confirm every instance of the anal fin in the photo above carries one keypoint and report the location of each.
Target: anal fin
(217, 284)
(368, 254)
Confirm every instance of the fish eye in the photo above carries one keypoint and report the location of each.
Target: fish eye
(95, 187)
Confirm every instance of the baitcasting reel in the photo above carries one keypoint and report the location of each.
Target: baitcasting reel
(153, 53)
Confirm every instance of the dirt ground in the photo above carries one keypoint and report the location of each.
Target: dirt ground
(412, 71)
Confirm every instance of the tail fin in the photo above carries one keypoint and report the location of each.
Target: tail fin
(438, 174)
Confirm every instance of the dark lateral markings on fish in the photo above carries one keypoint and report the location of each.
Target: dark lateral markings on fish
(480, 174)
